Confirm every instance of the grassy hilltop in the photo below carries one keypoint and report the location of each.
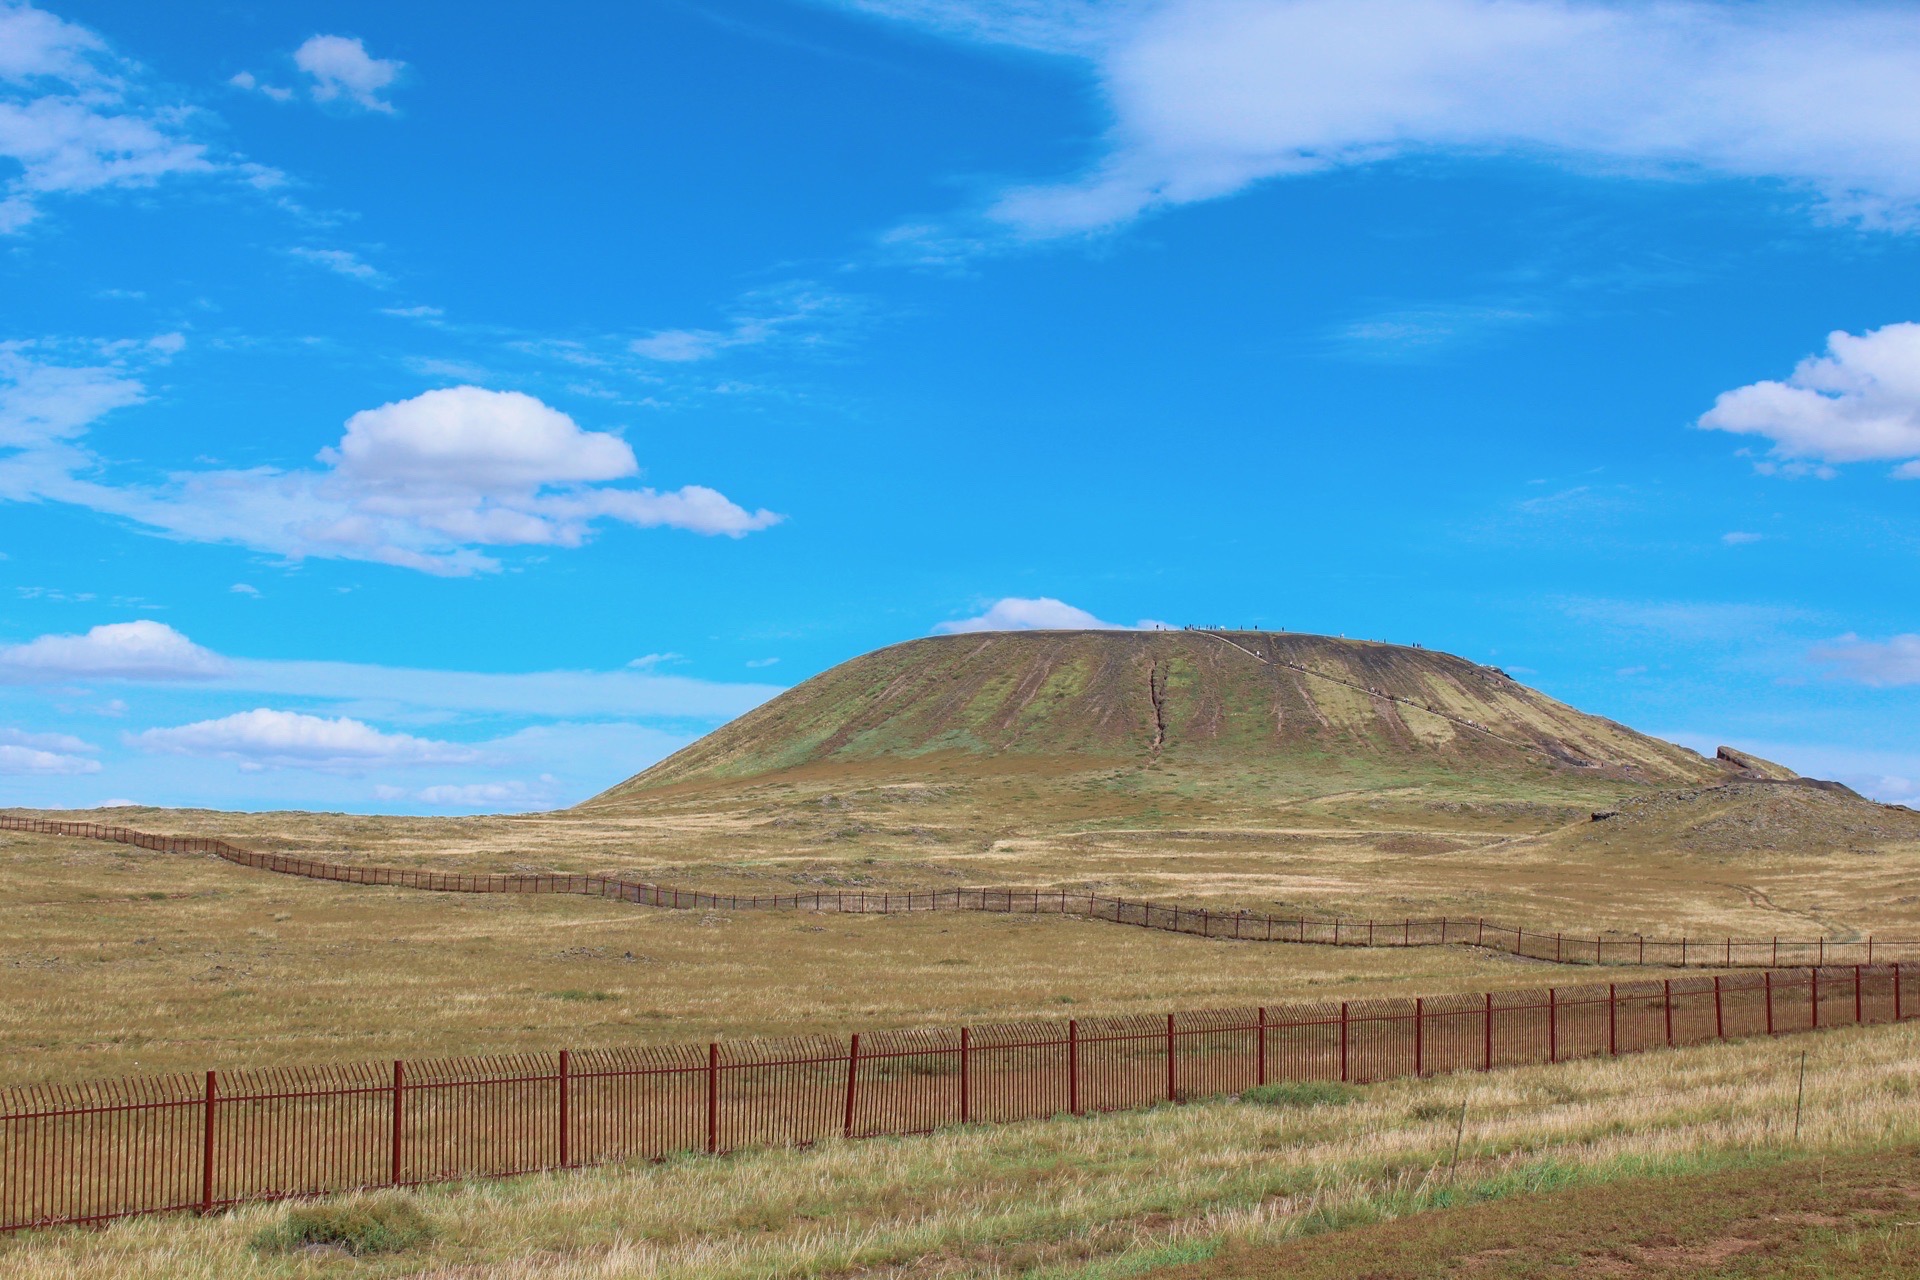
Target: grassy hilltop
(1296, 713)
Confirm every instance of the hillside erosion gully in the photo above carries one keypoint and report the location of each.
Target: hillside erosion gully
(1238, 925)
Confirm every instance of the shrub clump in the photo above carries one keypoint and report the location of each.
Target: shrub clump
(377, 1224)
(1302, 1093)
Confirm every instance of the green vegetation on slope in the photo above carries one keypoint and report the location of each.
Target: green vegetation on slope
(1057, 703)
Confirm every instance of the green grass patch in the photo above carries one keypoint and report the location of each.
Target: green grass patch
(1304, 1093)
(381, 1224)
(575, 993)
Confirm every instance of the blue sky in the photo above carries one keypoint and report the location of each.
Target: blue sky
(413, 409)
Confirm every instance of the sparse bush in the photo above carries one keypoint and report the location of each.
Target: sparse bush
(1302, 1093)
(374, 1224)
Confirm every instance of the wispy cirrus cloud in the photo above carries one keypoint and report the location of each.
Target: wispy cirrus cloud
(1879, 663)
(1208, 97)
(76, 117)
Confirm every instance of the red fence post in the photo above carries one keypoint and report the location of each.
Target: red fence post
(1345, 1071)
(1667, 985)
(713, 1098)
(1613, 1043)
(1767, 978)
(1719, 1018)
(1857, 1019)
(1073, 1066)
(566, 1109)
(1813, 998)
(1172, 1094)
(1486, 1062)
(399, 1112)
(1260, 1052)
(1419, 1036)
(853, 1075)
(966, 1093)
(206, 1152)
(1553, 1025)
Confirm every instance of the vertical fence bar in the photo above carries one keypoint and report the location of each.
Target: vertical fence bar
(713, 1098)
(206, 1151)
(1260, 1053)
(1666, 985)
(1896, 991)
(1172, 1093)
(1719, 1018)
(1486, 1061)
(1857, 1019)
(1613, 1042)
(1553, 1024)
(1767, 979)
(1419, 1036)
(966, 1092)
(853, 1076)
(1073, 1066)
(1346, 1072)
(399, 1115)
(1813, 995)
(566, 1109)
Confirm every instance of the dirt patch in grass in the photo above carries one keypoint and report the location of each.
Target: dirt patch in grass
(1845, 1218)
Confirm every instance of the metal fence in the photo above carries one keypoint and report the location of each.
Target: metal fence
(1246, 926)
(91, 1152)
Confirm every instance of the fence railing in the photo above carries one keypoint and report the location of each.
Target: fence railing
(91, 1152)
(1247, 926)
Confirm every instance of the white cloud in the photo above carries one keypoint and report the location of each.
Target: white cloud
(42, 403)
(268, 738)
(247, 80)
(27, 760)
(62, 742)
(413, 313)
(1044, 613)
(143, 650)
(754, 664)
(1860, 402)
(45, 753)
(74, 119)
(1209, 96)
(244, 589)
(764, 317)
(1892, 662)
(419, 483)
(340, 262)
(341, 68)
(1737, 538)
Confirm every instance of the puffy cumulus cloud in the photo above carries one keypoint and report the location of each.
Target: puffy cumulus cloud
(339, 68)
(421, 483)
(1043, 613)
(143, 650)
(75, 118)
(45, 753)
(1879, 663)
(1209, 96)
(1860, 402)
(266, 738)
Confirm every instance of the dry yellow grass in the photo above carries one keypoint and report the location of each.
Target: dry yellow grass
(117, 960)
(1101, 1196)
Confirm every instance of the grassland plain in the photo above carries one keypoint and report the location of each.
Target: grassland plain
(115, 960)
(1120, 1194)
